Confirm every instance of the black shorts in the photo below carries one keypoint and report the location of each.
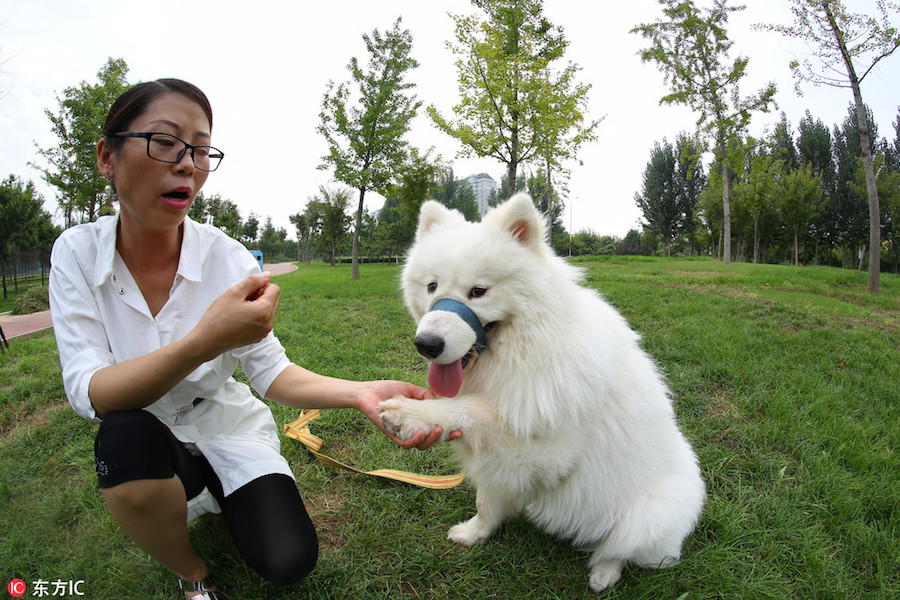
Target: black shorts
(134, 444)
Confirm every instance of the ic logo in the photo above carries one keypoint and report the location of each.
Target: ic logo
(16, 588)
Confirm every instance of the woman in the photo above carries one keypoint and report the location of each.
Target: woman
(152, 313)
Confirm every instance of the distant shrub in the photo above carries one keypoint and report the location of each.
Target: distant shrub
(35, 299)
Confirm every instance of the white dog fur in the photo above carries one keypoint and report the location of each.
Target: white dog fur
(564, 416)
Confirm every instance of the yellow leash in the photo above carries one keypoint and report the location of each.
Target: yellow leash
(299, 430)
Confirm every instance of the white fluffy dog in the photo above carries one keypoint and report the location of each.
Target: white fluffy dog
(563, 415)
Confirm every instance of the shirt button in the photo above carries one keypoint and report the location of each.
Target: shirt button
(121, 291)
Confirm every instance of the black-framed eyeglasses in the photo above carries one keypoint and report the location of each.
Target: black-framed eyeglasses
(167, 148)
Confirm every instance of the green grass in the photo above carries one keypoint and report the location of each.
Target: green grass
(785, 380)
(6, 304)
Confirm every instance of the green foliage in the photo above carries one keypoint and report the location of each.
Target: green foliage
(83, 193)
(24, 224)
(456, 194)
(847, 46)
(366, 139)
(672, 183)
(834, 35)
(691, 48)
(225, 215)
(415, 182)
(327, 221)
(782, 379)
(516, 105)
(800, 202)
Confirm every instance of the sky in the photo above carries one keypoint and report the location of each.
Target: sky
(265, 66)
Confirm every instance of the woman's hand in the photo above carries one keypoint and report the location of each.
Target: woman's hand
(379, 391)
(244, 314)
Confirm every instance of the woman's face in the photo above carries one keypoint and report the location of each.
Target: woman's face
(154, 195)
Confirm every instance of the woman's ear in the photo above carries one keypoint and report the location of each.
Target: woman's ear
(104, 158)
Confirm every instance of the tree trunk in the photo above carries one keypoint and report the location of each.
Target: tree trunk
(726, 214)
(726, 201)
(874, 283)
(756, 239)
(513, 163)
(359, 212)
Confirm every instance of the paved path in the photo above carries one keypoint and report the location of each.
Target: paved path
(18, 325)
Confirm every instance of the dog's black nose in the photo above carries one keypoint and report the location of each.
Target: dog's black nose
(430, 346)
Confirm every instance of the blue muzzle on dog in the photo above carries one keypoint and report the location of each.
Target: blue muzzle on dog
(466, 314)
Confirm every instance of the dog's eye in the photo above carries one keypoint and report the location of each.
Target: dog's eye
(477, 292)
(432, 287)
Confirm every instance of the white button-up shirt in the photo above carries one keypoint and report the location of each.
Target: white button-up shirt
(101, 318)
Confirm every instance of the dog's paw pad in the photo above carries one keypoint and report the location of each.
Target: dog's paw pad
(398, 419)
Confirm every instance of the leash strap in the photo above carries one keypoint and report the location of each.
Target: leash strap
(299, 430)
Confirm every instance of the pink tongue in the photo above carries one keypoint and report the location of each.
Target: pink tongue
(445, 380)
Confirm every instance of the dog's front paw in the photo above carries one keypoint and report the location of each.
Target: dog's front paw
(400, 417)
(471, 532)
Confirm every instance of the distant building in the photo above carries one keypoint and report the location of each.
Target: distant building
(482, 184)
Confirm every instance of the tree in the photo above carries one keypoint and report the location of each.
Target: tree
(847, 47)
(892, 154)
(395, 229)
(225, 215)
(781, 145)
(327, 214)
(759, 193)
(271, 240)
(303, 225)
(456, 194)
(82, 190)
(366, 141)
(414, 182)
(24, 224)
(199, 208)
(800, 200)
(250, 229)
(848, 209)
(515, 104)
(658, 199)
(815, 148)
(690, 180)
(691, 48)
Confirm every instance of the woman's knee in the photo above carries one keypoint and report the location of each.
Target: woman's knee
(290, 564)
(272, 530)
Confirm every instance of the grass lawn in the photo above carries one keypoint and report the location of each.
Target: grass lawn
(6, 304)
(785, 380)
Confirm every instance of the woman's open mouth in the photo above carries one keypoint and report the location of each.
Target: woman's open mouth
(177, 198)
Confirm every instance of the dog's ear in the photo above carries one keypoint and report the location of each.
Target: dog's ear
(521, 219)
(434, 213)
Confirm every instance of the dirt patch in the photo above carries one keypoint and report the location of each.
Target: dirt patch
(325, 508)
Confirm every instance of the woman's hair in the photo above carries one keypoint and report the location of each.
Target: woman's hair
(134, 102)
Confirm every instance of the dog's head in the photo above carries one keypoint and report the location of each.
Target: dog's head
(465, 282)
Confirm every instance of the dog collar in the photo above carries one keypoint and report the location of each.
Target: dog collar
(466, 314)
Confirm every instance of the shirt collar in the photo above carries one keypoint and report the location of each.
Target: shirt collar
(106, 248)
(188, 264)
